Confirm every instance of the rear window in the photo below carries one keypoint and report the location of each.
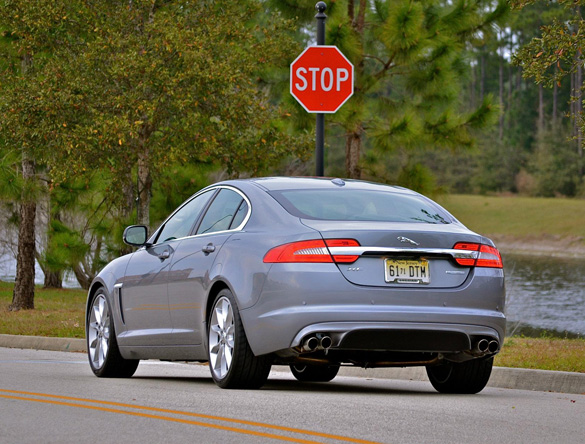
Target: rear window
(360, 205)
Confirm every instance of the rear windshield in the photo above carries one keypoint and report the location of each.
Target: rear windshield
(360, 205)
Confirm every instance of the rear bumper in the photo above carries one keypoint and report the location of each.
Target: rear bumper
(303, 299)
(399, 336)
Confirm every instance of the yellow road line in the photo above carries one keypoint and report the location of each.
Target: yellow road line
(164, 418)
(198, 415)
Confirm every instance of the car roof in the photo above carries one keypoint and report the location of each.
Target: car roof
(287, 183)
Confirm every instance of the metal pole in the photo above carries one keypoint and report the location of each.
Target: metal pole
(320, 124)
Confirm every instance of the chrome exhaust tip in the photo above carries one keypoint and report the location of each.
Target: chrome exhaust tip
(325, 342)
(493, 346)
(310, 344)
(482, 346)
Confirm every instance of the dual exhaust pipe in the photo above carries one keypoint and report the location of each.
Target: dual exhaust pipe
(318, 342)
(324, 342)
(484, 346)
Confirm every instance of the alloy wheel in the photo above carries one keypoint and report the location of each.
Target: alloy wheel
(99, 331)
(221, 337)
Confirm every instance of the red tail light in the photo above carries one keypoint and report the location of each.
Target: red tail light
(313, 251)
(487, 256)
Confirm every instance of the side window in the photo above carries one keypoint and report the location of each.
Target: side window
(240, 215)
(182, 222)
(221, 212)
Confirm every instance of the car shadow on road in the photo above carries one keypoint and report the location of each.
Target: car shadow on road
(360, 386)
(364, 386)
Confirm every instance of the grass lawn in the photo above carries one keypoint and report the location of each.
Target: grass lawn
(543, 353)
(518, 216)
(58, 313)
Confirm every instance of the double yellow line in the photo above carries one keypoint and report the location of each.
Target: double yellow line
(142, 411)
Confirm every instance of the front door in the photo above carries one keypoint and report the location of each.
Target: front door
(144, 299)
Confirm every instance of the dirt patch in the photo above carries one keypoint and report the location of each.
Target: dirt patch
(543, 245)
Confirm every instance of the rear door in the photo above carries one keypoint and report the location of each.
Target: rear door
(194, 264)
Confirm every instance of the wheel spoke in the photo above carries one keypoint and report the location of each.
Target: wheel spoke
(219, 359)
(92, 347)
(104, 348)
(229, 319)
(228, 357)
(221, 337)
(97, 352)
(229, 337)
(97, 314)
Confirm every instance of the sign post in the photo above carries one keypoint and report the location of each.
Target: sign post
(321, 79)
(320, 125)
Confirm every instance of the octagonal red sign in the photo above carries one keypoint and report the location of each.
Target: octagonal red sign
(321, 79)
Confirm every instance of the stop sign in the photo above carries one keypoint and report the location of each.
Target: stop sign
(321, 79)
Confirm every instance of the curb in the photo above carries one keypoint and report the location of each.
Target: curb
(43, 343)
(502, 377)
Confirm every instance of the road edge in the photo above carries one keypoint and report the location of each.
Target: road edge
(502, 377)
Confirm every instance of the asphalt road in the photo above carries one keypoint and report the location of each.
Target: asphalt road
(52, 397)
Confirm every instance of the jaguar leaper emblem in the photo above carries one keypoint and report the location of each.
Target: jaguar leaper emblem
(407, 240)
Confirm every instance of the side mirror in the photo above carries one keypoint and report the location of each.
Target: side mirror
(135, 235)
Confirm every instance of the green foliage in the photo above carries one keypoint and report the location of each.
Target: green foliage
(558, 47)
(66, 248)
(419, 178)
(99, 93)
(409, 67)
(555, 166)
(174, 186)
(11, 183)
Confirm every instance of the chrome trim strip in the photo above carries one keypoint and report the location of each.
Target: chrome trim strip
(360, 251)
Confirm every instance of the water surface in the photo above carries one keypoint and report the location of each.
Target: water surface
(545, 292)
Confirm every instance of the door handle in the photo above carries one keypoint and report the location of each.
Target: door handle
(209, 248)
(164, 255)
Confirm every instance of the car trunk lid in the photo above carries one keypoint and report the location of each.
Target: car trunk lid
(394, 254)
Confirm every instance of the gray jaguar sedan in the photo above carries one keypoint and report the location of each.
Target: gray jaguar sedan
(312, 273)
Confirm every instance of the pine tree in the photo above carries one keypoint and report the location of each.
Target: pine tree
(556, 54)
(409, 62)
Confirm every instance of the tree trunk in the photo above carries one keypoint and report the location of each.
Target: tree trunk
(23, 296)
(579, 112)
(473, 86)
(501, 94)
(540, 126)
(572, 112)
(53, 280)
(482, 75)
(555, 101)
(353, 144)
(144, 188)
(510, 74)
(82, 277)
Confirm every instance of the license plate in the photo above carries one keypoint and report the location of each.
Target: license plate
(408, 271)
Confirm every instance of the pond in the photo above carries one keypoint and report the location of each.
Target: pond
(545, 293)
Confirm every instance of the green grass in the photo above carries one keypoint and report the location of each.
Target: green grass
(543, 353)
(518, 216)
(58, 313)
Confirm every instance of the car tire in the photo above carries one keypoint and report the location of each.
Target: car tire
(104, 355)
(314, 373)
(467, 377)
(232, 363)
